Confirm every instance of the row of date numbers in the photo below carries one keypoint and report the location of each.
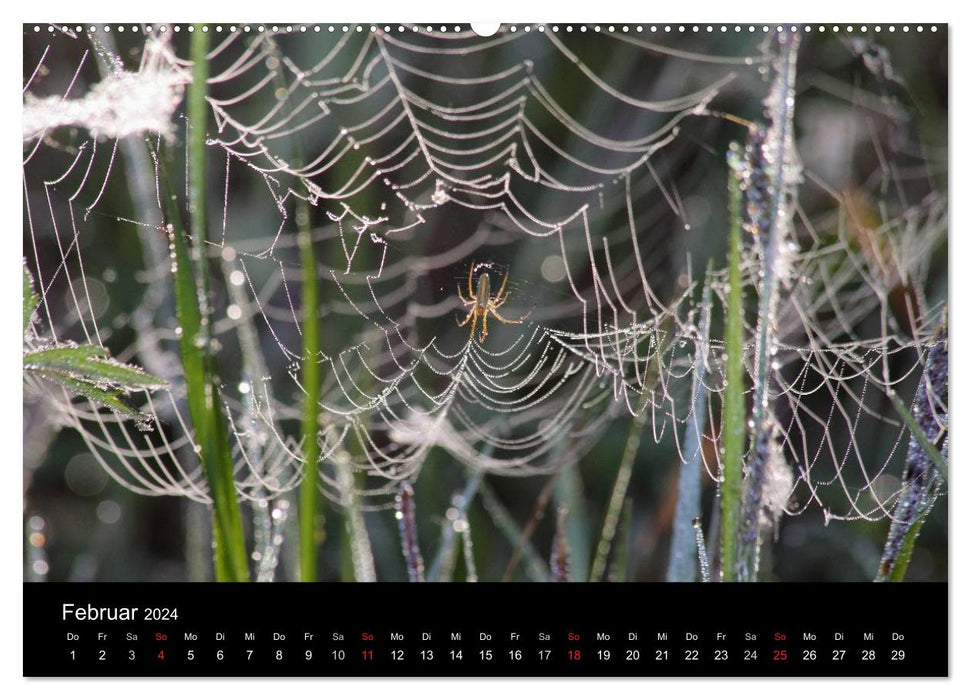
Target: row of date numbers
(515, 655)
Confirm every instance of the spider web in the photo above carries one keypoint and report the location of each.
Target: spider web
(572, 161)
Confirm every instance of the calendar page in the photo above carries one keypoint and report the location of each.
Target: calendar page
(415, 323)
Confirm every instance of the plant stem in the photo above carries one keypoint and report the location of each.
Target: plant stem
(447, 546)
(682, 564)
(923, 475)
(231, 563)
(198, 115)
(539, 509)
(619, 572)
(568, 495)
(534, 565)
(619, 492)
(933, 454)
(733, 403)
(776, 157)
(560, 554)
(359, 542)
(624, 472)
(702, 551)
(310, 378)
(310, 513)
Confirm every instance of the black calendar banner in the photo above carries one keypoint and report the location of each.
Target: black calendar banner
(486, 630)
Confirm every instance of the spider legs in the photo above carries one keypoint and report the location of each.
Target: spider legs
(507, 320)
(502, 287)
(468, 318)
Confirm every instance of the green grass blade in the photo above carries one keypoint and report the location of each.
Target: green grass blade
(925, 467)
(919, 435)
(230, 559)
(619, 492)
(620, 570)
(108, 398)
(197, 109)
(898, 569)
(733, 401)
(309, 511)
(91, 364)
(208, 421)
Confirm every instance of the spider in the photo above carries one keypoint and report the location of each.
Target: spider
(483, 303)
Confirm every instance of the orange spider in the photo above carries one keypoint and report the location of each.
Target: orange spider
(483, 303)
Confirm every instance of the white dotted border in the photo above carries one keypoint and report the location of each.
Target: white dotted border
(446, 29)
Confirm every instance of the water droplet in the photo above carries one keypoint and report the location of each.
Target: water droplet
(108, 512)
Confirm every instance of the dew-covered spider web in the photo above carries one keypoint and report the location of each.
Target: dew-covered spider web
(586, 163)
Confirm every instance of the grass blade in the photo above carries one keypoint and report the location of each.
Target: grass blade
(533, 563)
(91, 364)
(702, 551)
(919, 435)
(358, 540)
(619, 492)
(109, 399)
(568, 495)
(195, 343)
(309, 511)
(445, 556)
(923, 477)
(404, 506)
(733, 402)
(682, 562)
(560, 553)
(620, 571)
(769, 185)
